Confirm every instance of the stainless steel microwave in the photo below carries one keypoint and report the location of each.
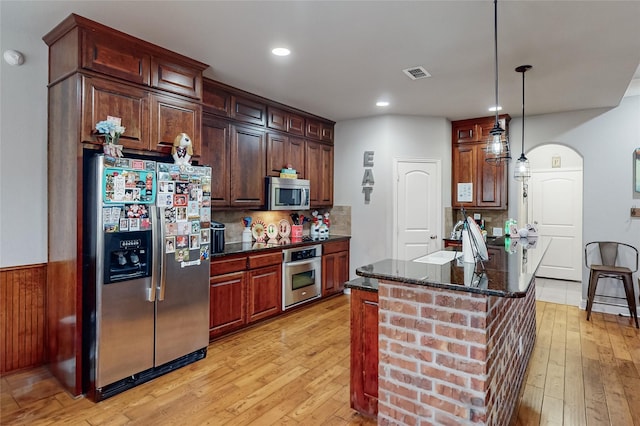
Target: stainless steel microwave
(287, 194)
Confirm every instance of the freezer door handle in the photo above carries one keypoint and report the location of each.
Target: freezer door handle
(162, 264)
(156, 254)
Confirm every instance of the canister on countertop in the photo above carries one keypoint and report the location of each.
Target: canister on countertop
(217, 237)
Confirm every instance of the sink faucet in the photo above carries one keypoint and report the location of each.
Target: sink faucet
(455, 233)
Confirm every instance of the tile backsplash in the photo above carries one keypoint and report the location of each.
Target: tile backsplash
(492, 218)
(340, 217)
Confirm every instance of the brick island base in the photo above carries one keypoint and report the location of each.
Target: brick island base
(444, 357)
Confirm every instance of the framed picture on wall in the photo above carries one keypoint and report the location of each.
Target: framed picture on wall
(636, 173)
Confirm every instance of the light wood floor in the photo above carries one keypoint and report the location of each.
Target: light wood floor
(295, 370)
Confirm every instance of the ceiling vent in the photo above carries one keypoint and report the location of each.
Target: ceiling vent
(416, 73)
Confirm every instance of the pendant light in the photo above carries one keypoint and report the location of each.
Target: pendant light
(522, 171)
(497, 149)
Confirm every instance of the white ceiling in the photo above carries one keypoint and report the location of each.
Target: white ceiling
(347, 55)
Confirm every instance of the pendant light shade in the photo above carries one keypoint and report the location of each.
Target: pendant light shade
(522, 170)
(497, 149)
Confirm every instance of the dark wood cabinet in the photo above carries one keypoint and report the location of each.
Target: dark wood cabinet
(335, 267)
(216, 152)
(215, 99)
(174, 77)
(489, 180)
(237, 155)
(264, 292)
(171, 116)
(227, 303)
(313, 129)
(284, 150)
(247, 166)
(319, 171)
(102, 98)
(364, 352)
(285, 121)
(111, 54)
(248, 110)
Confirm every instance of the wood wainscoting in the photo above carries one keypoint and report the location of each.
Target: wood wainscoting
(22, 316)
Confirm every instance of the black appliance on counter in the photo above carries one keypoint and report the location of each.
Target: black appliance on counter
(217, 237)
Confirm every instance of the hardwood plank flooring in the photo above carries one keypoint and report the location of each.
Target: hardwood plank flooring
(294, 370)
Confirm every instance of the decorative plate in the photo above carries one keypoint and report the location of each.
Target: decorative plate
(258, 230)
(284, 228)
(272, 231)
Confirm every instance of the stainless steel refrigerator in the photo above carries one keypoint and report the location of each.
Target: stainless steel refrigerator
(147, 306)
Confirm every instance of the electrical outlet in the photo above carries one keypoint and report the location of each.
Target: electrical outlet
(635, 211)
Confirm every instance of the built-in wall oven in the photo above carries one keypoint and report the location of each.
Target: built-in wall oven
(301, 275)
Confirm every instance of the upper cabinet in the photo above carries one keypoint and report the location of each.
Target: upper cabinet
(262, 137)
(472, 177)
(155, 92)
(79, 43)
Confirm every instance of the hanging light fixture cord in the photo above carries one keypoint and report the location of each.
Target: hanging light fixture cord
(495, 50)
(522, 69)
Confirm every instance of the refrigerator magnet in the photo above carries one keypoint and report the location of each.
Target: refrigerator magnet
(184, 228)
(134, 224)
(204, 236)
(204, 252)
(193, 209)
(182, 255)
(180, 200)
(194, 241)
(195, 227)
(165, 186)
(181, 241)
(182, 187)
(165, 199)
(171, 229)
(124, 224)
(181, 214)
(169, 244)
(170, 214)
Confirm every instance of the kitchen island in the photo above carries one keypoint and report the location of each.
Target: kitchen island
(443, 342)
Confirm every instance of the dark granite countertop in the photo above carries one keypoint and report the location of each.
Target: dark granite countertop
(238, 248)
(508, 274)
(491, 241)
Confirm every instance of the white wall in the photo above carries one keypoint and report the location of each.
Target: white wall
(23, 151)
(606, 140)
(389, 137)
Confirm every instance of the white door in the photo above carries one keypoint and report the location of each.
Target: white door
(418, 208)
(555, 202)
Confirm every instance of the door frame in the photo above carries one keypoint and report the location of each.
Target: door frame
(395, 178)
(523, 208)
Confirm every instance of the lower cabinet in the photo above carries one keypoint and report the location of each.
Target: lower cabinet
(364, 351)
(247, 288)
(243, 289)
(335, 267)
(227, 303)
(264, 293)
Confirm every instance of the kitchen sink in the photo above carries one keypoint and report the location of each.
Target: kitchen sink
(439, 257)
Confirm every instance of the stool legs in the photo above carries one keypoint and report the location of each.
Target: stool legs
(594, 276)
(591, 292)
(631, 298)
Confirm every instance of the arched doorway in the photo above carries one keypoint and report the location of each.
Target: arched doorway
(555, 201)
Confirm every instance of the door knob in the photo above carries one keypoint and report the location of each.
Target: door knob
(433, 237)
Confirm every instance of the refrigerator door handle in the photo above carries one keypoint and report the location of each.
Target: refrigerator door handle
(156, 254)
(161, 282)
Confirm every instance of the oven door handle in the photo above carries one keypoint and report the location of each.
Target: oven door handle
(302, 262)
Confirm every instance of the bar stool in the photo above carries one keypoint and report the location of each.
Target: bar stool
(609, 254)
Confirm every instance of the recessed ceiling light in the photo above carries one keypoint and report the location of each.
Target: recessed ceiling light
(493, 109)
(382, 103)
(281, 51)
